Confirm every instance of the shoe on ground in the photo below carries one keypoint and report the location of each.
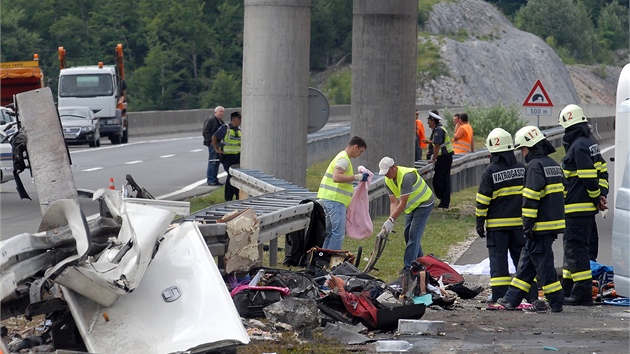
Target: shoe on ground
(538, 306)
(506, 304)
(215, 184)
(570, 301)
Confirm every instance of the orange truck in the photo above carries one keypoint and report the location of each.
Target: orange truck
(19, 76)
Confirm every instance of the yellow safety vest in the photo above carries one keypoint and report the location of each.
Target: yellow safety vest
(419, 194)
(231, 142)
(339, 192)
(447, 142)
(464, 144)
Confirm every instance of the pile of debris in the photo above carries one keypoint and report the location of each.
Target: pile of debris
(353, 306)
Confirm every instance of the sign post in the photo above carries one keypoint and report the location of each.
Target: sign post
(538, 102)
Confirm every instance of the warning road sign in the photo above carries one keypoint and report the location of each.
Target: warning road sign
(538, 97)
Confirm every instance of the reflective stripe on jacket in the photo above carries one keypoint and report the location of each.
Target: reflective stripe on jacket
(499, 198)
(339, 192)
(419, 194)
(587, 177)
(232, 141)
(448, 145)
(464, 144)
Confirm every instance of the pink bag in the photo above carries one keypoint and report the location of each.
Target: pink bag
(358, 221)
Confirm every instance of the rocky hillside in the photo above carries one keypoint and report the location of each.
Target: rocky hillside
(486, 60)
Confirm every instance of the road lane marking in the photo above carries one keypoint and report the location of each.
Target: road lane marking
(133, 162)
(167, 156)
(92, 169)
(197, 150)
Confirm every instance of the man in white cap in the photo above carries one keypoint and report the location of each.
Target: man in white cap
(441, 152)
(410, 194)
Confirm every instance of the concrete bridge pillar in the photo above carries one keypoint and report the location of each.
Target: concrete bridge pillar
(384, 52)
(276, 47)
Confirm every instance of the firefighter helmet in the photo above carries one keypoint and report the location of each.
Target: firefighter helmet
(571, 114)
(527, 137)
(499, 140)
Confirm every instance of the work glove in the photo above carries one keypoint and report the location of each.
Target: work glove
(365, 177)
(358, 177)
(388, 225)
(480, 228)
(528, 228)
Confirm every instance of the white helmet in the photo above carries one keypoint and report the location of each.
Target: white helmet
(571, 114)
(499, 140)
(527, 136)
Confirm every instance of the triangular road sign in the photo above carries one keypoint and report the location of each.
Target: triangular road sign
(538, 97)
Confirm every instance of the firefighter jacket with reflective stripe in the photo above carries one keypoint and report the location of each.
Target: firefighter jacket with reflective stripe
(499, 198)
(464, 144)
(339, 192)
(587, 177)
(419, 194)
(232, 141)
(543, 194)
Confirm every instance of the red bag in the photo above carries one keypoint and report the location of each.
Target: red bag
(438, 268)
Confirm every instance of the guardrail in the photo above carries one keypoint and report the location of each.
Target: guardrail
(279, 207)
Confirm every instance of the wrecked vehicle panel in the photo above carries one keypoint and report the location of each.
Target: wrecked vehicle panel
(131, 281)
(182, 304)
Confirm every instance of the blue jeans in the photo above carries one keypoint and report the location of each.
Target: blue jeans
(335, 224)
(415, 222)
(213, 166)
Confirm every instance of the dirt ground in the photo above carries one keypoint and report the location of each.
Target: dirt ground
(470, 328)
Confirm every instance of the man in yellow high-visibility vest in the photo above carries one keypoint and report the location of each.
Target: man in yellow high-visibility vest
(335, 191)
(410, 194)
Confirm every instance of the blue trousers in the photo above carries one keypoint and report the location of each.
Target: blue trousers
(415, 223)
(213, 166)
(335, 224)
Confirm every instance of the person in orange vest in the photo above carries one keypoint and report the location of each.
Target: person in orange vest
(463, 141)
(420, 137)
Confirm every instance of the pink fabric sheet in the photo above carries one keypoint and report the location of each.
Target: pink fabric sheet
(358, 221)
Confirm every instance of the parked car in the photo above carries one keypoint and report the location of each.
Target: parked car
(7, 126)
(80, 126)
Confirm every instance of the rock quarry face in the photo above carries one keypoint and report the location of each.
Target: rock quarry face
(496, 64)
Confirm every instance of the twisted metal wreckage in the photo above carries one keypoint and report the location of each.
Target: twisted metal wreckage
(132, 275)
(129, 277)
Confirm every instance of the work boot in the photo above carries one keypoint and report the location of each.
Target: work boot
(581, 295)
(571, 301)
(555, 299)
(503, 302)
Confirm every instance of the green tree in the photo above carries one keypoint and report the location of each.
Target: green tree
(508, 7)
(225, 91)
(562, 22)
(18, 42)
(612, 26)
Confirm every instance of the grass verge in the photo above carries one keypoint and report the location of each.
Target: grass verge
(445, 228)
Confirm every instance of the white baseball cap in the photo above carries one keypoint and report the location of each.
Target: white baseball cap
(385, 164)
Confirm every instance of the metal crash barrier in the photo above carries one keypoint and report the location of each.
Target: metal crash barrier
(278, 202)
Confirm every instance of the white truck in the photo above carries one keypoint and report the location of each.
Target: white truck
(100, 87)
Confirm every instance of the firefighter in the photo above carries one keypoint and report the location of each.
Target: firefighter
(587, 186)
(543, 220)
(499, 209)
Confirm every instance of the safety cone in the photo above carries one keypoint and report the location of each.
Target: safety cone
(111, 183)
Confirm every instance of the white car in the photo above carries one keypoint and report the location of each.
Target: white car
(80, 126)
(7, 127)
